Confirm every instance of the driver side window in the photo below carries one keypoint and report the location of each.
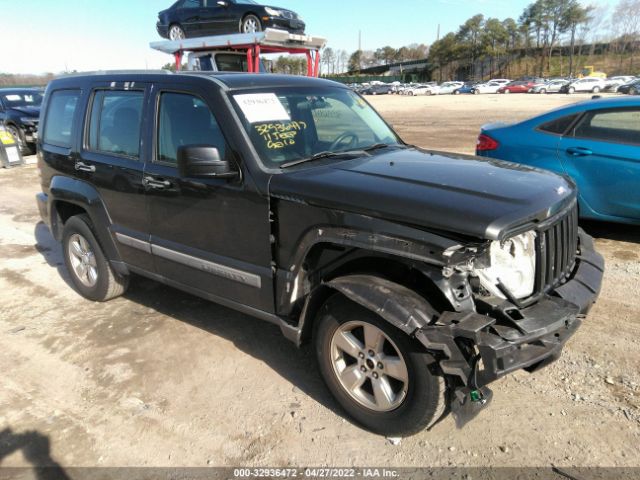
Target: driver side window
(333, 118)
(184, 119)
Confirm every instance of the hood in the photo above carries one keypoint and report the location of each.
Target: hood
(477, 197)
(30, 111)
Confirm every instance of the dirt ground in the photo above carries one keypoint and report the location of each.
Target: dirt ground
(161, 378)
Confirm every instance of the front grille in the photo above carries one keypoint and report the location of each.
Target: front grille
(556, 250)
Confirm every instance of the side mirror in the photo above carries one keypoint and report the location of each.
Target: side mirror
(203, 161)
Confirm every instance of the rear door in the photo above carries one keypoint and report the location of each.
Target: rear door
(217, 18)
(602, 153)
(212, 235)
(112, 158)
(190, 14)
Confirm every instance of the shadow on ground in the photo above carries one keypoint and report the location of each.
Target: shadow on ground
(259, 339)
(612, 231)
(36, 449)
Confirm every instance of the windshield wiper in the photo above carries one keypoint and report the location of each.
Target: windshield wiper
(321, 155)
(376, 146)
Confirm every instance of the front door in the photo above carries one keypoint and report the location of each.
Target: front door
(211, 235)
(602, 154)
(216, 18)
(112, 158)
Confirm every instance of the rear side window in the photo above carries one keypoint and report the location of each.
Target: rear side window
(116, 118)
(60, 115)
(559, 125)
(621, 126)
(185, 120)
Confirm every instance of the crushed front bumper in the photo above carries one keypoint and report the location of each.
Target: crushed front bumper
(478, 349)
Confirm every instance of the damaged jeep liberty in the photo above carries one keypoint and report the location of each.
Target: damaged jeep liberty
(417, 277)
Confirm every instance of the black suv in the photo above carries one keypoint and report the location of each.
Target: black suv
(19, 113)
(419, 277)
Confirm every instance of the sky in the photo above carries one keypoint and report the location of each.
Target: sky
(58, 35)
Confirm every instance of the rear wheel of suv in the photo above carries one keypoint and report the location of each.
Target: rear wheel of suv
(176, 33)
(90, 271)
(380, 376)
(250, 24)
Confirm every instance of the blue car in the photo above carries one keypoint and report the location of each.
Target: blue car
(596, 143)
(466, 88)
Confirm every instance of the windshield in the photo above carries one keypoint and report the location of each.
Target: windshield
(22, 99)
(291, 124)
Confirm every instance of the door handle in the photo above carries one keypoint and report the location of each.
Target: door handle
(83, 167)
(579, 152)
(156, 184)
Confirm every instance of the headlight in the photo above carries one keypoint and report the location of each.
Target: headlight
(513, 262)
(273, 12)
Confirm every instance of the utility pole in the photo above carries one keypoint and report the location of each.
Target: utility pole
(438, 36)
(360, 40)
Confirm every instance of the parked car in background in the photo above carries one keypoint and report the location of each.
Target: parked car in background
(466, 88)
(447, 88)
(490, 87)
(552, 86)
(612, 84)
(427, 89)
(522, 86)
(378, 90)
(199, 18)
(587, 84)
(20, 114)
(501, 81)
(631, 88)
(596, 142)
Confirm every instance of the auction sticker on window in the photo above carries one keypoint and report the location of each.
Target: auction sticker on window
(262, 107)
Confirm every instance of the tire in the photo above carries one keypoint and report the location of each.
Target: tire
(633, 91)
(476, 92)
(176, 32)
(506, 92)
(19, 137)
(456, 92)
(104, 284)
(571, 91)
(542, 91)
(596, 90)
(250, 24)
(416, 403)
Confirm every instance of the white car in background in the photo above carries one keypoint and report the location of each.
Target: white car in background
(501, 81)
(448, 88)
(489, 87)
(552, 86)
(613, 83)
(588, 84)
(424, 90)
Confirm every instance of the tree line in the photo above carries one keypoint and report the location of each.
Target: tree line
(489, 44)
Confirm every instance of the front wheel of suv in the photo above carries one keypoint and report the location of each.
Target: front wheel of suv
(380, 376)
(90, 271)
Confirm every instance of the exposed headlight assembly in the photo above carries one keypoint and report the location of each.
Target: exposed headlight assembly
(273, 12)
(513, 264)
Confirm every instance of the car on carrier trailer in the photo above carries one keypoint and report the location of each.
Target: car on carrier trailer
(418, 277)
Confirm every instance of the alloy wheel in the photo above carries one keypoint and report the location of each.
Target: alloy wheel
(369, 366)
(83, 260)
(176, 33)
(250, 25)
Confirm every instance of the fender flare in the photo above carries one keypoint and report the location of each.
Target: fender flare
(400, 306)
(85, 196)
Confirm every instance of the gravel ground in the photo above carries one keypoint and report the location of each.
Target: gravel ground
(161, 378)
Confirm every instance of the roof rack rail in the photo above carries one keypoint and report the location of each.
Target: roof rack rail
(116, 72)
